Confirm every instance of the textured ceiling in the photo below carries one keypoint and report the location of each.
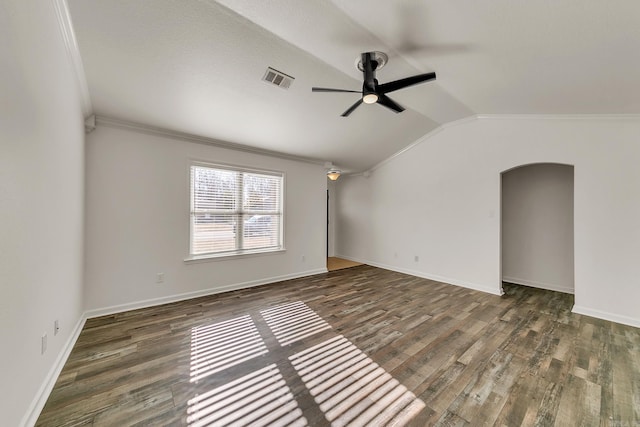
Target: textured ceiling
(196, 66)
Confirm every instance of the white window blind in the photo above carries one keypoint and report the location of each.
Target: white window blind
(235, 211)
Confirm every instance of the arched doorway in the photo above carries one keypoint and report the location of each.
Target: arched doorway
(537, 226)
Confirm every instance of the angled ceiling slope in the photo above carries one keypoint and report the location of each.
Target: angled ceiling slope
(196, 67)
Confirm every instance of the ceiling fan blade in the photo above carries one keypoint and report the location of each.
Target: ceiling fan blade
(326, 89)
(389, 103)
(353, 107)
(406, 82)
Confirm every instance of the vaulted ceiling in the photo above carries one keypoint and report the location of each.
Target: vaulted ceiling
(195, 66)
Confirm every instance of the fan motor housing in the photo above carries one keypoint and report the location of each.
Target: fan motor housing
(380, 59)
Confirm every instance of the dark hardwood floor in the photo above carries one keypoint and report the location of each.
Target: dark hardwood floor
(360, 346)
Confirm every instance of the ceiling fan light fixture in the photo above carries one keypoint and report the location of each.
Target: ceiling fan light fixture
(370, 98)
(374, 93)
(333, 174)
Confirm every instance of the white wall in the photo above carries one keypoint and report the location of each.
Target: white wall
(441, 201)
(41, 203)
(537, 226)
(138, 221)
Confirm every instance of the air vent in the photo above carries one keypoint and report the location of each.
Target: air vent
(278, 78)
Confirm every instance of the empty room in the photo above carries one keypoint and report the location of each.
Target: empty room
(319, 213)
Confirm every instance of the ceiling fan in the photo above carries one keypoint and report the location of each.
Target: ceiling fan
(372, 92)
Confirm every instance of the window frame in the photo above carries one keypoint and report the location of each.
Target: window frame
(239, 235)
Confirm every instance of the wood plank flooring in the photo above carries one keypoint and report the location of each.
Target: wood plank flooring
(360, 346)
(334, 263)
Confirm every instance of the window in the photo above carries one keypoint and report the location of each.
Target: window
(235, 211)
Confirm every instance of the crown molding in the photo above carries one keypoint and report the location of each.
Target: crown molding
(434, 132)
(419, 141)
(73, 54)
(614, 117)
(187, 137)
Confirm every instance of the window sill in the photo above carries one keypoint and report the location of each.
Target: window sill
(226, 257)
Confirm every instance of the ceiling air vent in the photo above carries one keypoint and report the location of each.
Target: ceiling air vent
(278, 78)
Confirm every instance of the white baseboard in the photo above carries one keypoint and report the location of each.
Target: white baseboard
(105, 311)
(541, 285)
(447, 280)
(42, 395)
(39, 401)
(604, 315)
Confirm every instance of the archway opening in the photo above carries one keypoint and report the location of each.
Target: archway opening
(537, 241)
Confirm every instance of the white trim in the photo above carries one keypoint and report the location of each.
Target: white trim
(36, 406)
(239, 211)
(90, 124)
(612, 317)
(442, 279)
(420, 140)
(604, 315)
(227, 256)
(73, 53)
(631, 116)
(234, 167)
(541, 285)
(187, 137)
(437, 130)
(32, 414)
(196, 294)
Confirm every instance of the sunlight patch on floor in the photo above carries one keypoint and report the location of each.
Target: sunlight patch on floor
(261, 398)
(219, 346)
(351, 389)
(348, 387)
(293, 322)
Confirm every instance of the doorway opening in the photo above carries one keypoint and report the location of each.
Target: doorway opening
(537, 240)
(333, 262)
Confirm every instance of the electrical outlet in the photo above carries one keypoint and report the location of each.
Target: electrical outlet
(416, 258)
(56, 327)
(303, 258)
(43, 344)
(160, 278)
